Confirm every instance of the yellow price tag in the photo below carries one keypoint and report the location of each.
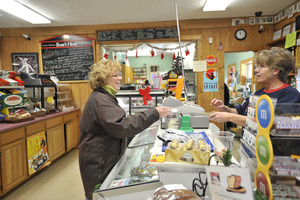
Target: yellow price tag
(49, 99)
(33, 145)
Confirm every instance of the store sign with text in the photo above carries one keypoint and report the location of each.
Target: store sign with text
(211, 60)
(210, 80)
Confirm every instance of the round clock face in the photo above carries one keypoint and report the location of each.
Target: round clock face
(240, 34)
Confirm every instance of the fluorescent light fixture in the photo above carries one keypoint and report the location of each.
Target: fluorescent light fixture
(216, 5)
(23, 12)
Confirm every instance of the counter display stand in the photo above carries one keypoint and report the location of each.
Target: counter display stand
(181, 173)
(123, 181)
(276, 144)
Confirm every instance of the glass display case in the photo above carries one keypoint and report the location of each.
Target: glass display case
(132, 175)
(148, 136)
(64, 97)
(132, 101)
(41, 90)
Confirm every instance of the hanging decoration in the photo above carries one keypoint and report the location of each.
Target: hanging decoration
(146, 94)
(153, 48)
(136, 54)
(106, 55)
(187, 52)
(174, 56)
(152, 53)
(115, 56)
(162, 55)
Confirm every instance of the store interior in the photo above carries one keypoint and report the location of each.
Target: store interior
(42, 100)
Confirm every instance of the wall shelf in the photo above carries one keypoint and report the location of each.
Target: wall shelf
(278, 41)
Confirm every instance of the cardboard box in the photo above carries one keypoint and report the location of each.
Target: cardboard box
(11, 100)
(187, 156)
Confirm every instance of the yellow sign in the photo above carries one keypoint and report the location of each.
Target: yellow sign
(263, 146)
(37, 153)
(290, 40)
(50, 100)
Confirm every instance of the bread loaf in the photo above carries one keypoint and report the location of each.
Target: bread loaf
(182, 194)
(234, 181)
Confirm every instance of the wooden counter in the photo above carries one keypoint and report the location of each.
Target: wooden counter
(62, 133)
(9, 126)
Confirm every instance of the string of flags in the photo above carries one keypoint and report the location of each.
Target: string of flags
(152, 52)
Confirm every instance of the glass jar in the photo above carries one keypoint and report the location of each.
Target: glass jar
(172, 120)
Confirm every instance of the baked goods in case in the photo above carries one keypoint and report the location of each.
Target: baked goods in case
(165, 193)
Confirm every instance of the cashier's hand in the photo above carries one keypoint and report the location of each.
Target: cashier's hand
(164, 111)
(219, 105)
(219, 117)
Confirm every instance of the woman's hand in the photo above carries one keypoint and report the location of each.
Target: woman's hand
(222, 117)
(164, 111)
(219, 105)
(219, 117)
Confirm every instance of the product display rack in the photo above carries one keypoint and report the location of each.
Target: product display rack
(21, 95)
(139, 74)
(270, 180)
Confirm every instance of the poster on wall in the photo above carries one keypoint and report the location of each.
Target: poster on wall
(199, 65)
(25, 62)
(211, 60)
(210, 80)
(37, 153)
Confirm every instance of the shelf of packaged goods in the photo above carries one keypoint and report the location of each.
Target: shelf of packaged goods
(10, 87)
(278, 41)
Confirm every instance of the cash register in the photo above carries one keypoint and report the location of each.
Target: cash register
(198, 118)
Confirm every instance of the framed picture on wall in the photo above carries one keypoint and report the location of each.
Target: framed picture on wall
(277, 34)
(286, 30)
(25, 62)
(156, 82)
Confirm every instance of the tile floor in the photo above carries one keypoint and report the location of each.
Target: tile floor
(62, 181)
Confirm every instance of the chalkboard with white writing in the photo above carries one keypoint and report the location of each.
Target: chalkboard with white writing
(138, 34)
(68, 60)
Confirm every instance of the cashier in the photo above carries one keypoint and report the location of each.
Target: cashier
(272, 69)
(104, 126)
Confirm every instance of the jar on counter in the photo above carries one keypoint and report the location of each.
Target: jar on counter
(172, 120)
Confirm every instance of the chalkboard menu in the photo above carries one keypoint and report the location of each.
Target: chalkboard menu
(68, 57)
(138, 34)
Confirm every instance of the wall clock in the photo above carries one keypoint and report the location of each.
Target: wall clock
(240, 34)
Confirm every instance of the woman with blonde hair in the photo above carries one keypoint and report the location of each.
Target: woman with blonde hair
(104, 126)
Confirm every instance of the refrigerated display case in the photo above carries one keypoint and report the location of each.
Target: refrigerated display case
(132, 177)
(132, 101)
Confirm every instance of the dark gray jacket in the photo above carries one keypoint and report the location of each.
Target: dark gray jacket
(104, 128)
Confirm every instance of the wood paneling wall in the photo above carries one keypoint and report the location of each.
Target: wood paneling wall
(220, 30)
